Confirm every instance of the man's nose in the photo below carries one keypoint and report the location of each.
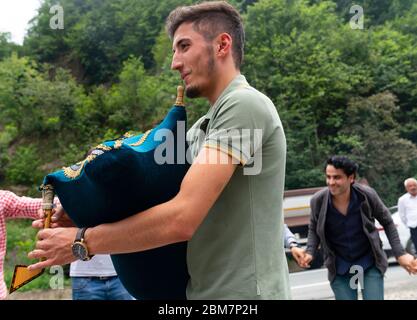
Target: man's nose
(176, 64)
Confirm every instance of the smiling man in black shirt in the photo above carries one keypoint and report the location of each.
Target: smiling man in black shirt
(343, 222)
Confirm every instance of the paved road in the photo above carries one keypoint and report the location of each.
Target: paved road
(313, 285)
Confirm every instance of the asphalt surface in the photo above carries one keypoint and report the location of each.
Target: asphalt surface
(313, 285)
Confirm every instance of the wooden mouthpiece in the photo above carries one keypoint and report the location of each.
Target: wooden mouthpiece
(48, 194)
(180, 96)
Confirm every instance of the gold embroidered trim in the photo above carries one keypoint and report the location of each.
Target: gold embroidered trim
(90, 157)
(103, 147)
(70, 173)
(142, 140)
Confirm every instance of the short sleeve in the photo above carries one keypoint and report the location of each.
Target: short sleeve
(240, 125)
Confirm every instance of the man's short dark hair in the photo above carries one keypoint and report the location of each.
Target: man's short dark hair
(210, 19)
(348, 166)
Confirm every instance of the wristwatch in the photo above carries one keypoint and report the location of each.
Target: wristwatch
(79, 247)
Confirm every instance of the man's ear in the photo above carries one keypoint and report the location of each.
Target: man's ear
(224, 44)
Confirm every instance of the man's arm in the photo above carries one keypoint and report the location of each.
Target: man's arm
(383, 215)
(313, 239)
(288, 237)
(291, 243)
(20, 207)
(170, 222)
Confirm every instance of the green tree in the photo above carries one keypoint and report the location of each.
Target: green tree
(98, 35)
(300, 59)
(139, 100)
(45, 44)
(23, 167)
(6, 46)
(15, 74)
(384, 157)
(376, 12)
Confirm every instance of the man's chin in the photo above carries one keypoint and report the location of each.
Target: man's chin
(333, 192)
(192, 92)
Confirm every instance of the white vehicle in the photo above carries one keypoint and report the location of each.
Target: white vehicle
(403, 232)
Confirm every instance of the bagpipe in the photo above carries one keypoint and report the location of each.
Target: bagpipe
(120, 178)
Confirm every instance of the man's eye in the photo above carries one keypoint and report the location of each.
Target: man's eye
(184, 46)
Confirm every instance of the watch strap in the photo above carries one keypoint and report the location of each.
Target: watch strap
(80, 234)
(79, 240)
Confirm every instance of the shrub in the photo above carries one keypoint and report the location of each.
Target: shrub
(23, 166)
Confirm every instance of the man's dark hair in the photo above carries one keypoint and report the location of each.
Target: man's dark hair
(210, 19)
(348, 166)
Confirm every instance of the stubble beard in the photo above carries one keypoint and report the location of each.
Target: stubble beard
(333, 191)
(193, 92)
(196, 91)
(339, 191)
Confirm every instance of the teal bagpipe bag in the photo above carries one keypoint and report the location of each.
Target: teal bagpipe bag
(120, 178)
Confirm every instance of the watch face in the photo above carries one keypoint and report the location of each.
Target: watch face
(79, 251)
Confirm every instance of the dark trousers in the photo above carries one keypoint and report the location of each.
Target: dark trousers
(413, 232)
(373, 286)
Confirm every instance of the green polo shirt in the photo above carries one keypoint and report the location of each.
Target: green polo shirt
(238, 250)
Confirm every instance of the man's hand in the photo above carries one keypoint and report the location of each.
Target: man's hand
(59, 219)
(54, 245)
(306, 260)
(408, 262)
(298, 254)
(414, 264)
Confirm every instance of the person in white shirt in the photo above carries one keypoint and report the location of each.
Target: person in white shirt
(96, 279)
(291, 243)
(407, 208)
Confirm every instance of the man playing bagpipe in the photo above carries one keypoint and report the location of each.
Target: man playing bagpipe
(229, 204)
